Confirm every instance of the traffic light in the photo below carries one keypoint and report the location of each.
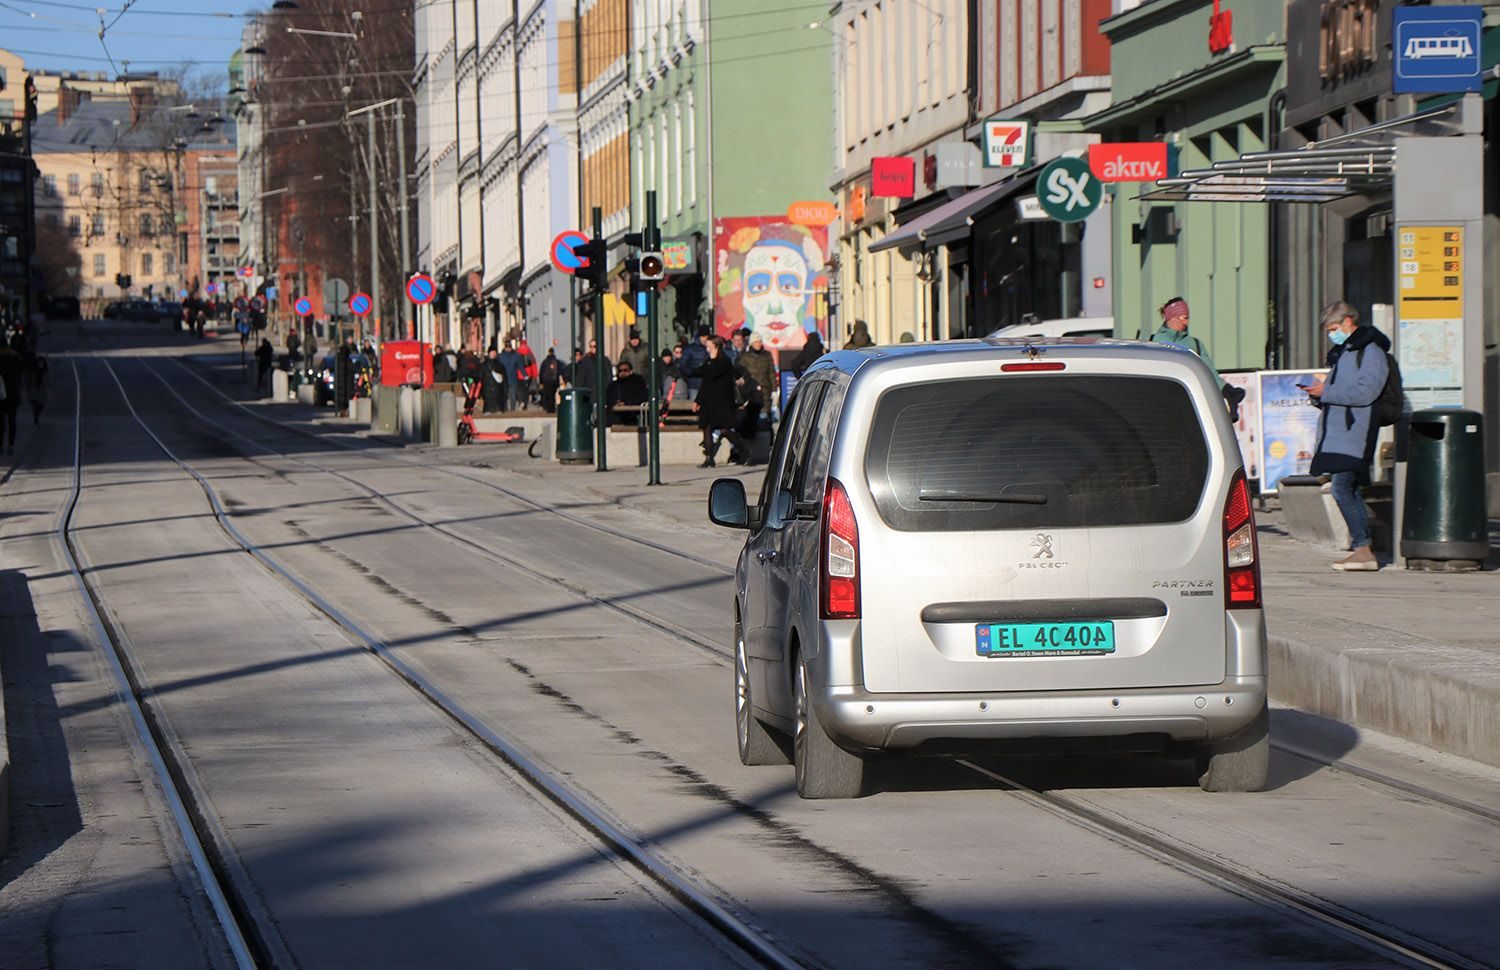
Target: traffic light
(594, 257)
(653, 268)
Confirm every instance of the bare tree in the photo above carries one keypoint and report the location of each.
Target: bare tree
(58, 259)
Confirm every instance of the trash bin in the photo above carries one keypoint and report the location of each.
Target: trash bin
(1445, 523)
(575, 428)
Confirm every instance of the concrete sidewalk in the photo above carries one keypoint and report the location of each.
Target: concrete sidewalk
(1411, 654)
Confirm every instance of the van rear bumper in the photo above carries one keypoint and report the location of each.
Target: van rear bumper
(857, 718)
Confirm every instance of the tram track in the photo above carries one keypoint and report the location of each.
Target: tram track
(696, 899)
(1372, 934)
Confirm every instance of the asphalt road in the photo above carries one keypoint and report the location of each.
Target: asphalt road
(359, 825)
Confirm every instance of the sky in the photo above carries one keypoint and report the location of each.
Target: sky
(63, 35)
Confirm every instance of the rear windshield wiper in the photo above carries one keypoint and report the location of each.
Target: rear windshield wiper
(1006, 498)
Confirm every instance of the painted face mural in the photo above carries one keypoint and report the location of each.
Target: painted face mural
(771, 279)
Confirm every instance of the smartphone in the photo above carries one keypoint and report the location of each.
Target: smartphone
(1304, 386)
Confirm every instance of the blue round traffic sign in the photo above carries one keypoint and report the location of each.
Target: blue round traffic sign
(420, 289)
(359, 304)
(303, 307)
(565, 251)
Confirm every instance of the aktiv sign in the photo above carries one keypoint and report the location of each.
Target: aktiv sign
(1144, 161)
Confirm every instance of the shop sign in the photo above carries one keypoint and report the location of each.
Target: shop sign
(1346, 37)
(1069, 192)
(1129, 161)
(1436, 50)
(1220, 30)
(952, 164)
(855, 206)
(811, 213)
(1006, 143)
(677, 255)
(894, 177)
(1029, 209)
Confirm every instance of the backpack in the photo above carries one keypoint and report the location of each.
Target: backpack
(1391, 404)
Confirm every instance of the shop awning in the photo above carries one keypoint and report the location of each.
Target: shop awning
(1357, 163)
(952, 220)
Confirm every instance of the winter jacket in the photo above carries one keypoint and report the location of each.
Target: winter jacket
(442, 369)
(528, 361)
(811, 351)
(694, 356)
(514, 364)
(549, 371)
(1347, 428)
(1185, 340)
(860, 337)
(760, 366)
(638, 357)
(716, 397)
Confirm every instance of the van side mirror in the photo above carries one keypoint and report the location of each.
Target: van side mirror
(727, 505)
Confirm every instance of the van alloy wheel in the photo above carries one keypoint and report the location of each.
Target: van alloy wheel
(757, 744)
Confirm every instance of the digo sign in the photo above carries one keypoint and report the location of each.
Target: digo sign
(811, 213)
(1129, 161)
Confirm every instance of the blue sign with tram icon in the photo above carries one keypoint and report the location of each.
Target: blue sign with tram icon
(1436, 50)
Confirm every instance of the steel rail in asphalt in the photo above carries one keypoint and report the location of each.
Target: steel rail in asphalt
(610, 831)
(1372, 934)
(701, 643)
(209, 875)
(1367, 774)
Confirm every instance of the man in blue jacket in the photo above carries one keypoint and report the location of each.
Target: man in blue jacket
(1347, 426)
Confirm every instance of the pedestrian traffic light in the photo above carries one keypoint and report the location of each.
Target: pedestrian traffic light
(594, 263)
(652, 267)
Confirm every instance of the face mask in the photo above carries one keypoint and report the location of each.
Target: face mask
(1337, 337)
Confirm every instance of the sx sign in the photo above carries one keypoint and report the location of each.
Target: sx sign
(1069, 191)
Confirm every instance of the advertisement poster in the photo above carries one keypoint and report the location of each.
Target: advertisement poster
(1247, 428)
(770, 272)
(1288, 425)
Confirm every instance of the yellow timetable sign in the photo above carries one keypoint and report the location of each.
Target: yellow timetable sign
(1431, 272)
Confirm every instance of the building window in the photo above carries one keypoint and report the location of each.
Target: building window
(49, 186)
(146, 264)
(692, 149)
(677, 156)
(75, 183)
(52, 219)
(145, 180)
(169, 263)
(148, 226)
(97, 183)
(167, 227)
(97, 229)
(75, 226)
(98, 264)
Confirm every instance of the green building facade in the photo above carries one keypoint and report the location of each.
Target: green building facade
(1209, 106)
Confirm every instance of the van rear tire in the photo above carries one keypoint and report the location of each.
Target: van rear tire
(824, 770)
(1241, 763)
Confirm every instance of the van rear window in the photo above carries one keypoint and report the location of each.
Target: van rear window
(1056, 452)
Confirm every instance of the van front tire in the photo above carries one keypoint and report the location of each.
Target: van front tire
(1241, 763)
(824, 770)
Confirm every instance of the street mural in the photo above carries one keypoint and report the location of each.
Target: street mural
(772, 278)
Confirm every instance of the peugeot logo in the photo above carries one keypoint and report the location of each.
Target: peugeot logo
(1043, 546)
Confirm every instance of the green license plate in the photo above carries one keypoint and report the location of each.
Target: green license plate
(1095, 638)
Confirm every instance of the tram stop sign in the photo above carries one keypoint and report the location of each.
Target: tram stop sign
(303, 306)
(360, 304)
(420, 289)
(1068, 191)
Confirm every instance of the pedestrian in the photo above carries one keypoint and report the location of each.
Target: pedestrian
(760, 366)
(751, 401)
(442, 367)
(860, 337)
(492, 383)
(36, 387)
(263, 355)
(343, 379)
(594, 366)
(1174, 331)
(528, 371)
(673, 387)
(10, 380)
(293, 347)
(515, 371)
(1347, 428)
(310, 348)
(573, 370)
(549, 377)
(635, 353)
(811, 351)
(715, 403)
(628, 388)
(694, 355)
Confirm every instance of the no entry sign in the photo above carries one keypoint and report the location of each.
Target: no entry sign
(257, 304)
(303, 306)
(359, 304)
(420, 289)
(241, 304)
(565, 251)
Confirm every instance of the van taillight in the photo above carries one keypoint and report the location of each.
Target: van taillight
(1241, 559)
(839, 598)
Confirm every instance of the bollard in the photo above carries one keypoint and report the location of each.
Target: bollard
(446, 421)
(408, 415)
(307, 394)
(359, 410)
(281, 386)
(387, 410)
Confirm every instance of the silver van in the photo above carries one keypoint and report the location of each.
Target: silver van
(1002, 545)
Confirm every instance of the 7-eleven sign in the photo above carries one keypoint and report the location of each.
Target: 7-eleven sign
(1006, 143)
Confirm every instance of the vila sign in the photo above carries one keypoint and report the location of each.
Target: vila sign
(894, 177)
(1129, 161)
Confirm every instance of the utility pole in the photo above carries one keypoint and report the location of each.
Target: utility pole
(405, 261)
(601, 425)
(374, 236)
(652, 243)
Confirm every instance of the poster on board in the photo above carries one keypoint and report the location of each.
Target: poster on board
(1288, 425)
(769, 274)
(1247, 428)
